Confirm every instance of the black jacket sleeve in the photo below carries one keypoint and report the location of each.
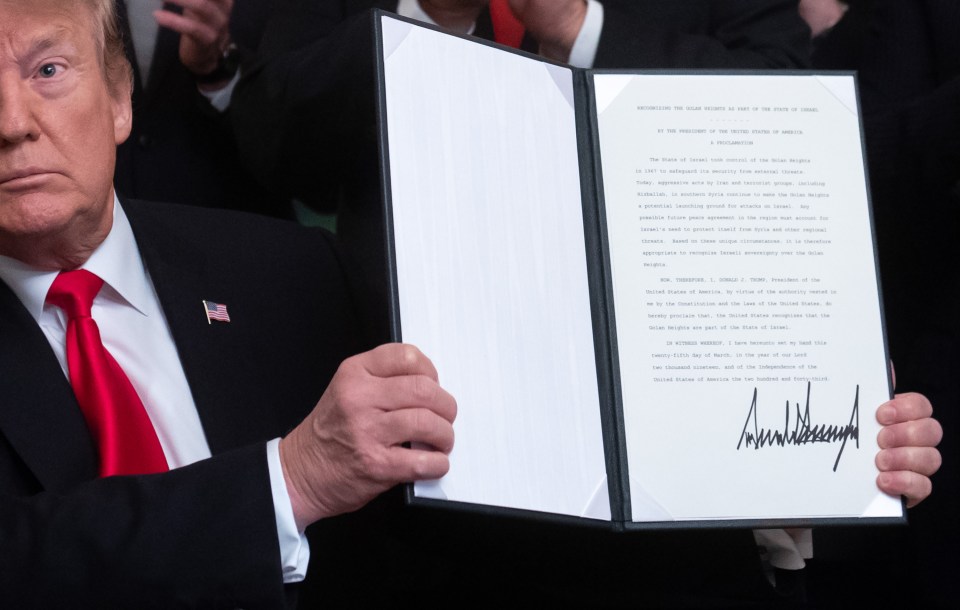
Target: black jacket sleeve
(202, 536)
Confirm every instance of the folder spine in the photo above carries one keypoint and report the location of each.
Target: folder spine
(601, 296)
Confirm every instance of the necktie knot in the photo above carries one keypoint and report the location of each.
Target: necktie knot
(74, 291)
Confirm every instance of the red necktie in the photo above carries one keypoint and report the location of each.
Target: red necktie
(119, 424)
(507, 29)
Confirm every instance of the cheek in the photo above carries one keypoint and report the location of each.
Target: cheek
(90, 152)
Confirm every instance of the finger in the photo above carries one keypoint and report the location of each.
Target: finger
(920, 433)
(185, 26)
(904, 407)
(413, 391)
(922, 460)
(407, 465)
(416, 426)
(393, 359)
(893, 375)
(353, 391)
(914, 487)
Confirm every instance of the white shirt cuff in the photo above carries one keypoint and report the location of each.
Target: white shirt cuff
(220, 99)
(294, 548)
(584, 50)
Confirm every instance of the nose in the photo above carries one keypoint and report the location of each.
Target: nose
(17, 121)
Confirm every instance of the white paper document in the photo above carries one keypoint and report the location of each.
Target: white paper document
(491, 275)
(747, 308)
(738, 274)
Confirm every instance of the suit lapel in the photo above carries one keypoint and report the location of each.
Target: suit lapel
(212, 355)
(39, 414)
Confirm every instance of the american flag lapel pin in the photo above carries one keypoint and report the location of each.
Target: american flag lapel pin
(215, 311)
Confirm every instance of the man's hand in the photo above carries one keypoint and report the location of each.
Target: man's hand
(455, 15)
(821, 15)
(204, 29)
(555, 24)
(908, 440)
(349, 449)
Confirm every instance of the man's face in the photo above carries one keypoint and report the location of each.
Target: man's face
(59, 127)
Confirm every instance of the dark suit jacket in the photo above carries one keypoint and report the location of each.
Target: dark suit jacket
(181, 149)
(200, 536)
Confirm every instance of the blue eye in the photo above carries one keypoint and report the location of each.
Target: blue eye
(48, 70)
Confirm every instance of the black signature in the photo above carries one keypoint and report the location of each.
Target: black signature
(803, 432)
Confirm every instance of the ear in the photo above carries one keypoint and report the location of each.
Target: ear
(122, 113)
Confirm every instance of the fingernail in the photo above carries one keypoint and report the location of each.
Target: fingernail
(883, 460)
(883, 438)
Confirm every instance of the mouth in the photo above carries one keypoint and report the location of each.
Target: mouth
(25, 178)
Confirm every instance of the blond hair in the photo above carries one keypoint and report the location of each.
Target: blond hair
(110, 48)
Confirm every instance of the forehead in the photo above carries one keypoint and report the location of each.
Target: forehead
(27, 23)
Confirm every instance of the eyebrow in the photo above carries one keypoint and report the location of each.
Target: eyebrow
(44, 44)
(47, 41)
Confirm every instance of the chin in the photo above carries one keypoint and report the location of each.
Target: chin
(35, 215)
(32, 219)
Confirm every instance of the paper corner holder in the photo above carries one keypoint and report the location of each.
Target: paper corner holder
(394, 33)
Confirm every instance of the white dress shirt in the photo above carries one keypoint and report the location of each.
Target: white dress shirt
(134, 330)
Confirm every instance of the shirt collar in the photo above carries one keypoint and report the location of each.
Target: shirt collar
(117, 261)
